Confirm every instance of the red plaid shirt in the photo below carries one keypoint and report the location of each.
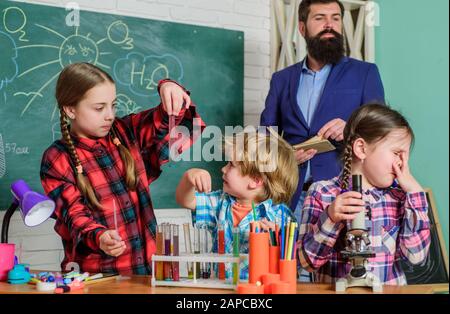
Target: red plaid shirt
(146, 136)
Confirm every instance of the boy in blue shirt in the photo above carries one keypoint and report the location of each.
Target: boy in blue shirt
(262, 171)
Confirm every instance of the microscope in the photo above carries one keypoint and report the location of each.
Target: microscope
(358, 251)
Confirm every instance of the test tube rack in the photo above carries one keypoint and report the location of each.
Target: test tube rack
(197, 258)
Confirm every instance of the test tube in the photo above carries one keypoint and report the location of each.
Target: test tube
(207, 273)
(167, 265)
(235, 254)
(176, 252)
(188, 247)
(221, 249)
(115, 215)
(159, 251)
(204, 249)
(197, 250)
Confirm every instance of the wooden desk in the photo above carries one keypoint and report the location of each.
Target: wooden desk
(141, 285)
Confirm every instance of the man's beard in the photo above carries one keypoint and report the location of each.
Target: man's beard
(327, 50)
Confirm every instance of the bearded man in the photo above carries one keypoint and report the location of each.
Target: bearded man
(317, 95)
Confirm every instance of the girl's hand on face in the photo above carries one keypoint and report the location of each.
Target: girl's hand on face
(404, 177)
(173, 97)
(200, 179)
(266, 225)
(346, 206)
(111, 243)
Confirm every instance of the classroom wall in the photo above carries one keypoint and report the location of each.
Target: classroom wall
(250, 16)
(412, 54)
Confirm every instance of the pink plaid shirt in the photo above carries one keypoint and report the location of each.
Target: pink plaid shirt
(399, 229)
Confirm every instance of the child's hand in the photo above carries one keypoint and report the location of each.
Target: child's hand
(173, 97)
(111, 243)
(200, 179)
(346, 206)
(404, 176)
(266, 225)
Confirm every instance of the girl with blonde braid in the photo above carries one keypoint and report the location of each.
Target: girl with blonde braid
(99, 173)
(377, 143)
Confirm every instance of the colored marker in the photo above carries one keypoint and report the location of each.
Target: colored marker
(282, 234)
(84, 276)
(291, 240)
(295, 242)
(235, 254)
(254, 211)
(286, 235)
(93, 277)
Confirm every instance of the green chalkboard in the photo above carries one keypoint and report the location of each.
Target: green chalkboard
(37, 41)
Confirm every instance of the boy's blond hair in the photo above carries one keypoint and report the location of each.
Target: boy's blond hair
(267, 156)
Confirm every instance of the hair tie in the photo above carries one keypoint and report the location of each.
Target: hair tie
(79, 169)
(116, 141)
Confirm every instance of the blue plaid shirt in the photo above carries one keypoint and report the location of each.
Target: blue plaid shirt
(216, 208)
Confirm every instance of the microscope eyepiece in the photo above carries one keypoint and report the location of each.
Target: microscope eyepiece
(357, 183)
